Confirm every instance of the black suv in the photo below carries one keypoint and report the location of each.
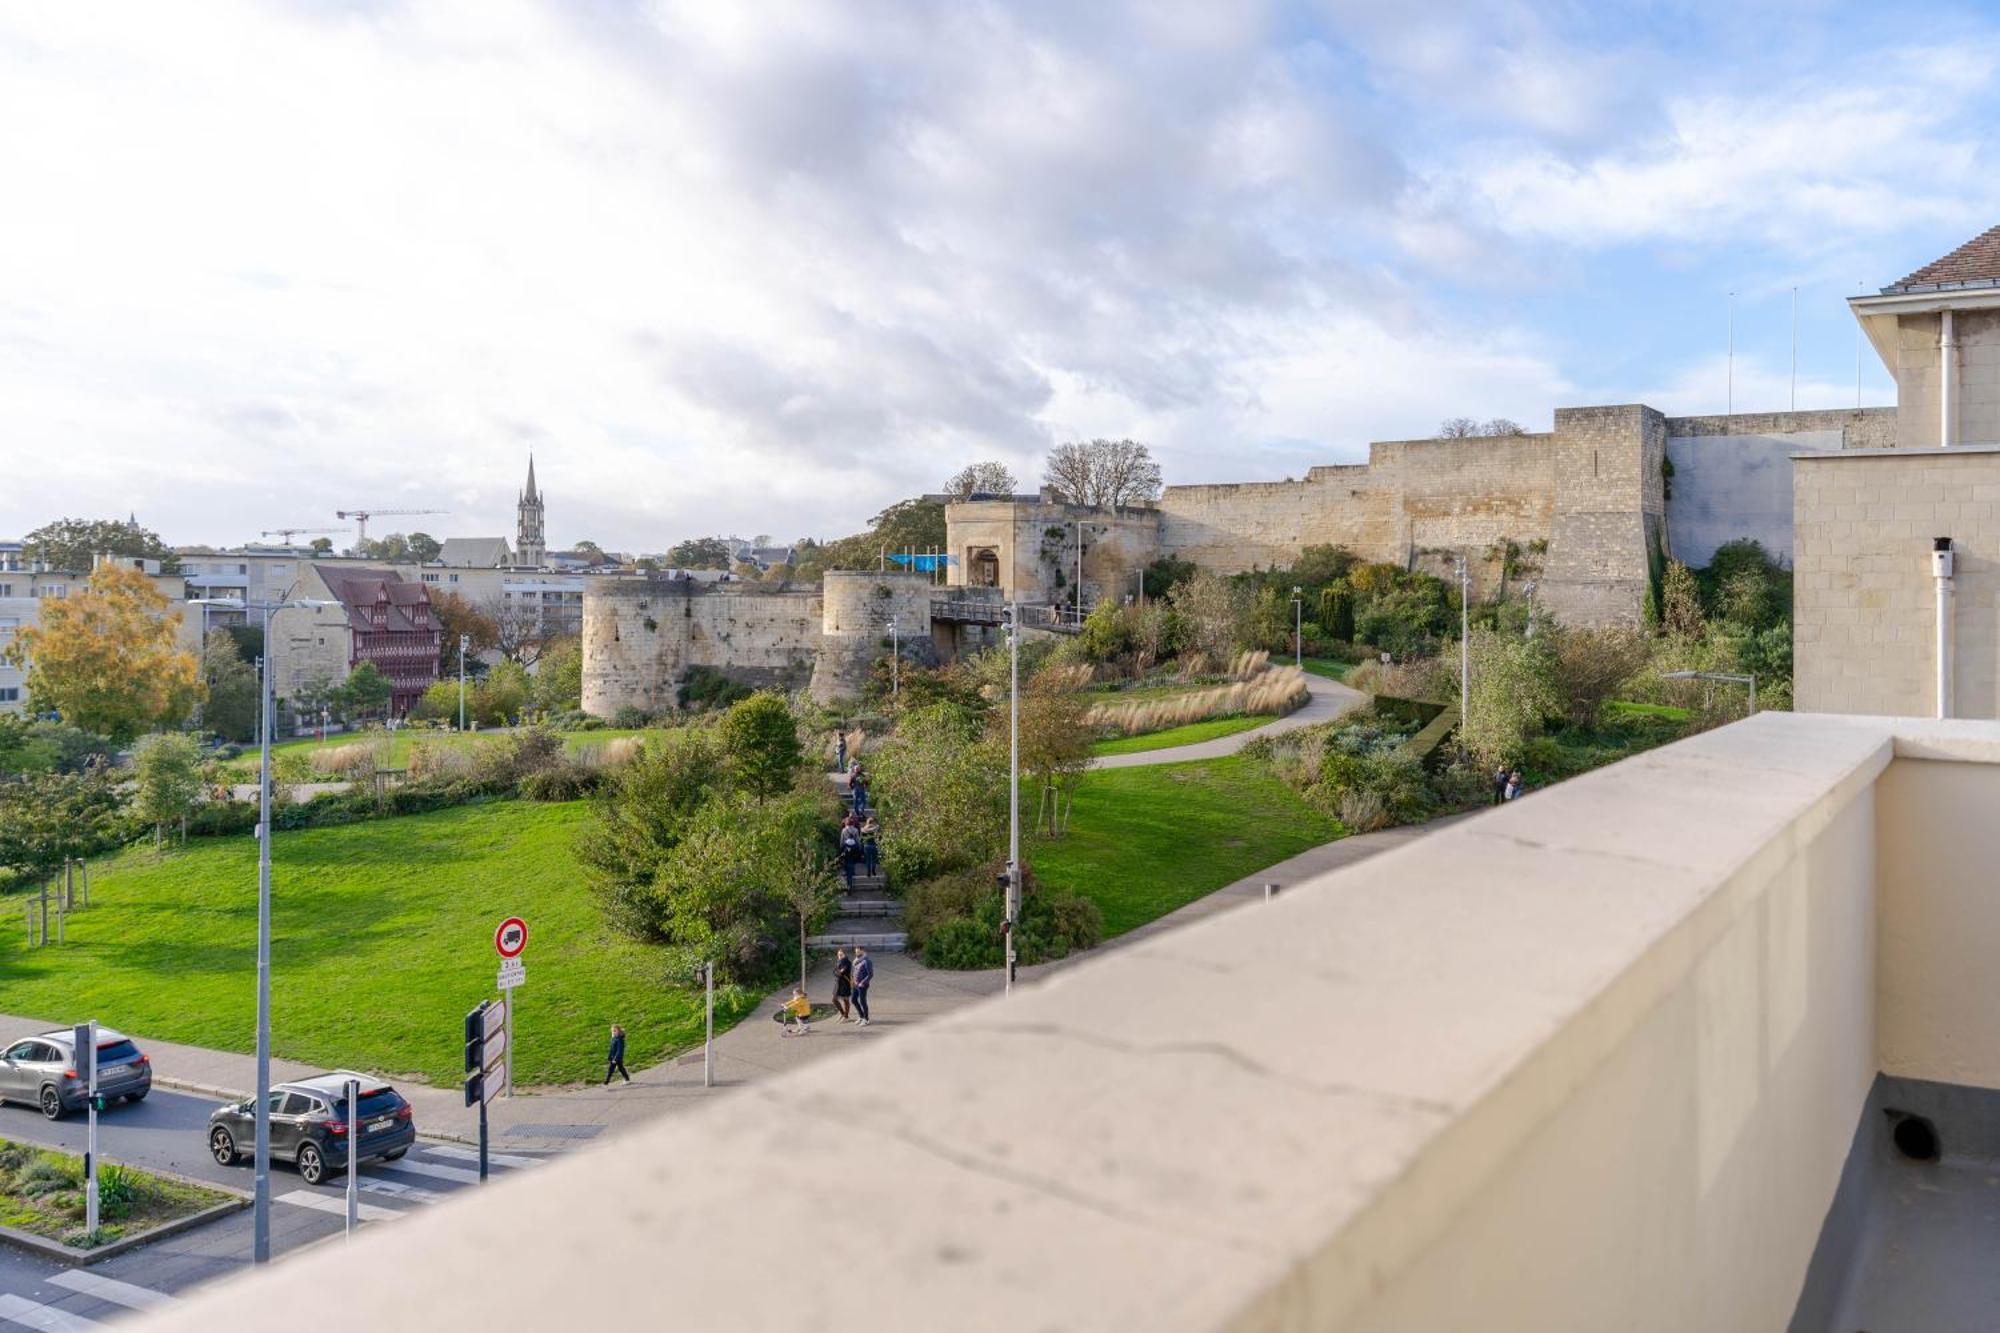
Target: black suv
(309, 1125)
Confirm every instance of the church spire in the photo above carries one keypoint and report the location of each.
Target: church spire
(530, 493)
(529, 547)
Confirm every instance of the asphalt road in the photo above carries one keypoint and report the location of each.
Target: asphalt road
(167, 1132)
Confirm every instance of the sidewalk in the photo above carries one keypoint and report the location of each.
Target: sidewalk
(573, 1116)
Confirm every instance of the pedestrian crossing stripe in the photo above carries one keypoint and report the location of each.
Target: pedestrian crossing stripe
(33, 1314)
(333, 1203)
(111, 1290)
(458, 1175)
(396, 1189)
(494, 1158)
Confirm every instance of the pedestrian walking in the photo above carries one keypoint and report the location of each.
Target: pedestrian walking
(840, 749)
(1514, 785)
(1500, 784)
(864, 975)
(850, 853)
(614, 1063)
(871, 847)
(843, 983)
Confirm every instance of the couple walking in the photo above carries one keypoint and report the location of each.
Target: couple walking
(851, 979)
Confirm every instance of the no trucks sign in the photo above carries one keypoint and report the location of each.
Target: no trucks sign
(511, 937)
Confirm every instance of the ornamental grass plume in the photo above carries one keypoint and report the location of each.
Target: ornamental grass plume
(1273, 690)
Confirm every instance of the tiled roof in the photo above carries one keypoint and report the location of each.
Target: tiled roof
(361, 589)
(1974, 264)
(474, 552)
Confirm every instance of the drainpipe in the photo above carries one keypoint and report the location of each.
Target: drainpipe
(1947, 379)
(1941, 572)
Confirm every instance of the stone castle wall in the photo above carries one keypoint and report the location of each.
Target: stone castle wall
(859, 609)
(640, 637)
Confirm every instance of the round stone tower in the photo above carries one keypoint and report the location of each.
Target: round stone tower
(856, 608)
(635, 643)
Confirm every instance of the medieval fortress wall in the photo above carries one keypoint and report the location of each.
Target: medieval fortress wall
(1585, 511)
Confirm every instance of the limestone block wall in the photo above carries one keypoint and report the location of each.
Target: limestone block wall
(1610, 513)
(1036, 545)
(640, 636)
(1864, 620)
(857, 609)
(1978, 382)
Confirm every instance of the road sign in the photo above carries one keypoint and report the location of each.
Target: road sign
(511, 937)
(496, 1050)
(494, 1017)
(513, 972)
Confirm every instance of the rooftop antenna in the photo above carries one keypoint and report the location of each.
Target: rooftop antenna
(1795, 349)
(1729, 399)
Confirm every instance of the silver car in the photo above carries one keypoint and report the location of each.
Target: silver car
(42, 1071)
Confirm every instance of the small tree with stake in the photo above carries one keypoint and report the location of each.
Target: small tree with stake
(809, 890)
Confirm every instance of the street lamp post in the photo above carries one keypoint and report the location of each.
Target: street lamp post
(260, 1246)
(1298, 627)
(1464, 644)
(1013, 904)
(895, 661)
(1725, 676)
(464, 642)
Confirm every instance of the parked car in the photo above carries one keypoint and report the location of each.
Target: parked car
(309, 1125)
(42, 1071)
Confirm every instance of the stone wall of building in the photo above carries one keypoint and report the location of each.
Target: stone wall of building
(1030, 545)
(865, 614)
(1864, 618)
(1977, 333)
(640, 637)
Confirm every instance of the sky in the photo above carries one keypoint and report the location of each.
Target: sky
(765, 268)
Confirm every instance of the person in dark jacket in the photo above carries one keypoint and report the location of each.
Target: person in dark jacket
(614, 1063)
(1500, 785)
(864, 974)
(850, 852)
(843, 983)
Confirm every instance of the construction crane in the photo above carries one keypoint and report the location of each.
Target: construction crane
(289, 533)
(361, 517)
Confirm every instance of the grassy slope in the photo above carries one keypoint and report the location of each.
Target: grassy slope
(1326, 666)
(1144, 841)
(245, 765)
(1189, 734)
(382, 939)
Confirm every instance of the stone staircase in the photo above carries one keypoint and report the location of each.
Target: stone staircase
(867, 915)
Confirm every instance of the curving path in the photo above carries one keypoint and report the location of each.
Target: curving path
(1327, 700)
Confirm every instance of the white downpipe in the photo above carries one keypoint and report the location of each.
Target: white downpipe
(1941, 574)
(1947, 384)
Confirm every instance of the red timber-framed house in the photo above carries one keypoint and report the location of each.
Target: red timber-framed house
(389, 623)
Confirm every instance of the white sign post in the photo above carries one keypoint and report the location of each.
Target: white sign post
(508, 941)
(353, 1156)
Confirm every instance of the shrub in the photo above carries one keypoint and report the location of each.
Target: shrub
(630, 717)
(1276, 690)
(353, 760)
(1363, 811)
(955, 921)
(565, 781)
(118, 1189)
(706, 687)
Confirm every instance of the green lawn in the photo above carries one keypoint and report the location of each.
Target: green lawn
(1327, 667)
(1627, 708)
(1144, 841)
(382, 939)
(1183, 735)
(245, 765)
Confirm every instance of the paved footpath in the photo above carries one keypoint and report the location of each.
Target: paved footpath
(1326, 700)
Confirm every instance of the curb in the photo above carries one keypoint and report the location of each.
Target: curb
(73, 1257)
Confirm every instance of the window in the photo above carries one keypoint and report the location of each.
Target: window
(55, 590)
(10, 694)
(20, 1050)
(295, 1104)
(6, 590)
(116, 1053)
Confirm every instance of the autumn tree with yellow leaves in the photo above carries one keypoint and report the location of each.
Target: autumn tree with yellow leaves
(108, 659)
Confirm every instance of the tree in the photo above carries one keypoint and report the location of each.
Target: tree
(520, 631)
(942, 785)
(990, 478)
(1590, 664)
(1457, 428)
(72, 544)
(424, 548)
(502, 695)
(322, 546)
(1103, 473)
(700, 553)
(592, 552)
(366, 690)
(1210, 609)
(808, 888)
(1336, 611)
(1513, 693)
(640, 819)
(1055, 746)
(761, 737)
(48, 818)
(231, 710)
(456, 616)
(394, 548)
(1502, 426)
(166, 769)
(908, 525)
(107, 659)
(1680, 602)
(559, 676)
